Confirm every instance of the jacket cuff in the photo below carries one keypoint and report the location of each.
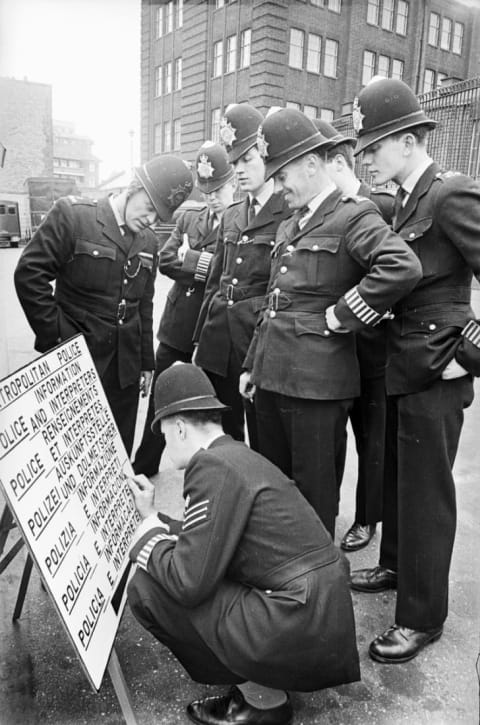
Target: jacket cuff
(203, 265)
(467, 353)
(471, 332)
(142, 549)
(190, 261)
(354, 313)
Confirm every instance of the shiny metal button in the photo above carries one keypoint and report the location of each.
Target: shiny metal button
(245, 238)
(315, 247)
(272, 242)
(411, 235)
(125, 281)
(283, 269)
(239, 260)
(273, 313)
(230, 303)
(234, 280)
(327, 333)
(276, 291)
(120, 322)
(432, 326)
(268, 591)
(290, 248)
(95, 252)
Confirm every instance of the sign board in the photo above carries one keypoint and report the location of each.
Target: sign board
(63, 470)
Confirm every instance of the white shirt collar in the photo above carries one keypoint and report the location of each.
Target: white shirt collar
(412, 179)
(314, 203)
(264, 195)
(116, 213)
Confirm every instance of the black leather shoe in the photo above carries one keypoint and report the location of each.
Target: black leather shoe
(357, 536)
(400, 644)
(232, 709)
(373, 580)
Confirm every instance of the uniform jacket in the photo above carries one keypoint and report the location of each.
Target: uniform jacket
(104, 285)
(372, 341)
(441, 223)
(185, 296)
(267, 589)
(345, 256)
(237, 283)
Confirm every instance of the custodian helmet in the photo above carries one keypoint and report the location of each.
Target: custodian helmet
(212, 167)
(168, 182)
(238, 129)
(383, 107)
(284, 136)
(333, 135)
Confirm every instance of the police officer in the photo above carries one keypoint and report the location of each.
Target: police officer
(337, 267)
(240, 268)
(433, 344)
(368, 412)
(186, 258)
(248, 589)
(102, 258)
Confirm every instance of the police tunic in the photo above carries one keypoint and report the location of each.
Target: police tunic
(252, 587)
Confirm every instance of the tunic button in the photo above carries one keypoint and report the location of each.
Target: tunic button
(125, 281)
(290, 248)
(230, 303)
(234, 280)
(326, 333)
(283, 269)
(272, 243)
(315, 247)
(268, 591)
(276, 291)
(244, 238)
(239, 260)
(120, 322)
(95, 252)
(273, 313)
(411, 235)
(432, 326)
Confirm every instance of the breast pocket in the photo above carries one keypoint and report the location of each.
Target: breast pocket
(415, 235)
(318, 257)
(92, 266)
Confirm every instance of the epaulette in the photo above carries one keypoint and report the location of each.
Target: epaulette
(447, 174)
(354, 198)
(81, 200)
(378, 192)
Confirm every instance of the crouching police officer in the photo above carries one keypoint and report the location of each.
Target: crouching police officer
(336, 269)
(433, 348)
(186, 258)
(248, 589)
(102, 257)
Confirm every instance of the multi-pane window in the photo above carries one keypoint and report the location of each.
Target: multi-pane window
(168, 77)
(428, 80)
(331, 58)
(383, 66)
(446, 34)
(169, 17)
(310, 111)
(373, 11)
(401, 18)
(178, 73)
(215, 122)
(397, 69)
(326, 114)
(167, 136)
(368, 68)
(231, 54)
(457, 44)
(179, 14)
(314, 49)
(387, 15)
(245, 43)
(295, 52)
(177, 134)
(335, 5)
(159, 21)
(218, 58)
(158, 80)
(433, 29)
(292, 104)
(157, 138)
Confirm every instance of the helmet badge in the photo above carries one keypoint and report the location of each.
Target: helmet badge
(357, 116)
(262, 145)
(227, 132)
(204, 167)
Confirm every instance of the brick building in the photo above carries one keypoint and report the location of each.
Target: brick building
(73, 158)
(26, 132)
(197, 57)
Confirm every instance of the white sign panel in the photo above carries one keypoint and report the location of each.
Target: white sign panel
(63, 469)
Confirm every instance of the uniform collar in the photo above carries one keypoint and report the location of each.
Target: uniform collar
(413, 178)
(116, 213)
(314, 203)
(264, 195)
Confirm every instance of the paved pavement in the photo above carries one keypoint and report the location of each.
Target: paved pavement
(42, 681)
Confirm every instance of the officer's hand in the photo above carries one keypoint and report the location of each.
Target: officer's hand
(247, 389)
(143, 492)
(333, 323)
(145, 382)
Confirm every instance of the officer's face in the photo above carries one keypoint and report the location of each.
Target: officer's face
(295, 179)
(386, 159)
(250, 171)
(217, 201)
(139, 212)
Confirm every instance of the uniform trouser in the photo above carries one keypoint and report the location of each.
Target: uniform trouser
(367, 417)
(123, 402)
(171, 624)
(419, 512)
(306, 439)
(149, 452)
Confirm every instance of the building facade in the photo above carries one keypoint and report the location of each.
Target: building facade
(73, 159)
(197, 57)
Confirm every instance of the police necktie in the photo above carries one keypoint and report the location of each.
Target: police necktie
(252, 210)
(304, 215)
(398, 204)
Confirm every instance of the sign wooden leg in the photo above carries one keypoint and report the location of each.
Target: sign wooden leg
(121, 688)
(27, 570)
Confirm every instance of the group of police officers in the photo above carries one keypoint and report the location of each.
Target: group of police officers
(311, 300)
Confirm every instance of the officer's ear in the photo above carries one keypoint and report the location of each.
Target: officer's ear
(409, 141)
(181, 428)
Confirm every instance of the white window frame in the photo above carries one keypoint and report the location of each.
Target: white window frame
(368, 66)
(159, 21)
(434, 29)
(158, 81)
(168, 28)
(215, 125)
(157, 138)
(428, 80)
(231, 54)
(314, 54)
(326, 114)
(295, 49)
(218, 59)
(179, 14)
(178, 73)
(167, 136)
(167, 78)
(373, 12)
(446, 34)
(397, 69)
(383, 60)
(387, 14)
(177, 134)
(335, 6)
(401, 18)
(310, 111)
(457, 39)
(245, 47)
(330, 61)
